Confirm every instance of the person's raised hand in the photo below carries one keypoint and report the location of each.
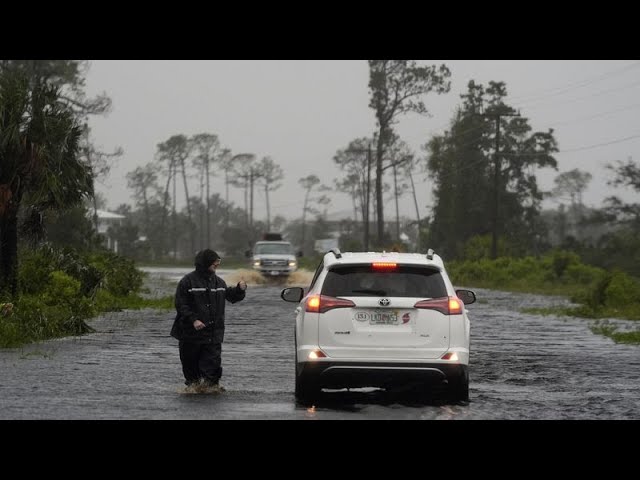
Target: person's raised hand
(198, 325)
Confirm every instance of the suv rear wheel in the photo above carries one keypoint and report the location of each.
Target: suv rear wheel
(459, 386)
(306, 390)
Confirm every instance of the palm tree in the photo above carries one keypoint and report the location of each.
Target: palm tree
(39, 146)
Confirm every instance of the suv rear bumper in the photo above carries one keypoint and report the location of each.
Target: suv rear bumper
(383, 375)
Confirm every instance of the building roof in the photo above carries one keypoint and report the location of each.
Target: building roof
(339, 216)
(106, 214)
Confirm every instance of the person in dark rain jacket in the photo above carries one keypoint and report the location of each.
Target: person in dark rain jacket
(199, 324)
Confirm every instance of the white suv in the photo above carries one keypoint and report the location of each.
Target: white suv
(382, 320)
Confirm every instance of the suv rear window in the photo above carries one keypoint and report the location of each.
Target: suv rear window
(404, 281)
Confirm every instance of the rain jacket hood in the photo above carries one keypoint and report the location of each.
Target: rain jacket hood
(204, 259)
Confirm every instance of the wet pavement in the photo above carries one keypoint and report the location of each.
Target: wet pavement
(522, 367)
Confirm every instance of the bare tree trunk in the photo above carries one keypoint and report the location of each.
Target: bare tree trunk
(164, 209)
(202, 235)
(367, 209)
(379, 200)
(208, 245)
(415, 201)
(266, 194)
(192, 238)
(175, 217)
(226, 198)
(246, 200)
(251, 197)
(304, 213)
(147, 220)
(395, 186)
(354, 203)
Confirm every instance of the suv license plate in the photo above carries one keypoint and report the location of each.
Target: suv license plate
(384, 318)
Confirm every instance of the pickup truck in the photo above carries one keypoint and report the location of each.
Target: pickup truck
(273, 258)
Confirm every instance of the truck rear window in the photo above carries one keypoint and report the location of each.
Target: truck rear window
(273, 249)
(404, 281)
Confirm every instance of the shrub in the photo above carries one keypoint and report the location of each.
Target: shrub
(621, 291)
(561, 260)
(120, 275)
(36, 266)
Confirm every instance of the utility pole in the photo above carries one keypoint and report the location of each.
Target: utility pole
(496, 181)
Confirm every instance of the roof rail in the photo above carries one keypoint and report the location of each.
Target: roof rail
(430, 253)
(336, 252)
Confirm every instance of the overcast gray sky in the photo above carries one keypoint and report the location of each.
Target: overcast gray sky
(301, 112)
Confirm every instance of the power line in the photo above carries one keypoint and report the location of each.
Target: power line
(620, 140)
(598, 115)
(575, 85)
(577, 149)
(560, 89)
(565, 122)
(590, 96)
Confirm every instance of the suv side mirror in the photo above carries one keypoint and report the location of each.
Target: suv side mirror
(467, 296)
(292, 294)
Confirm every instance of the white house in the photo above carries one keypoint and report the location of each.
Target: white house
(105, 220)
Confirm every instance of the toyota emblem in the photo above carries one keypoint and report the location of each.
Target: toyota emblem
(383, 302)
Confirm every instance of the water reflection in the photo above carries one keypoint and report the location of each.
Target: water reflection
(357, 399)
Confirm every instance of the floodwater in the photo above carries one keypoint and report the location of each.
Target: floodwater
(522, 367)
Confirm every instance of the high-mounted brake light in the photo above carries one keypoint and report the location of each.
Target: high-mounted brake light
(384, 265)
(444, 305)
(323, 303)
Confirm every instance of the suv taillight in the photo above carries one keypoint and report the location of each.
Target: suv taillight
(444, 305)
(323, 303)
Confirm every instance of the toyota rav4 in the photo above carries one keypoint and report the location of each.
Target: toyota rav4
(381, 320)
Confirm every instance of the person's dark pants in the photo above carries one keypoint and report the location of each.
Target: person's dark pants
(201, 361)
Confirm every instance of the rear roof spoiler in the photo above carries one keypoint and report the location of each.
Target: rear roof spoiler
(272, 237)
